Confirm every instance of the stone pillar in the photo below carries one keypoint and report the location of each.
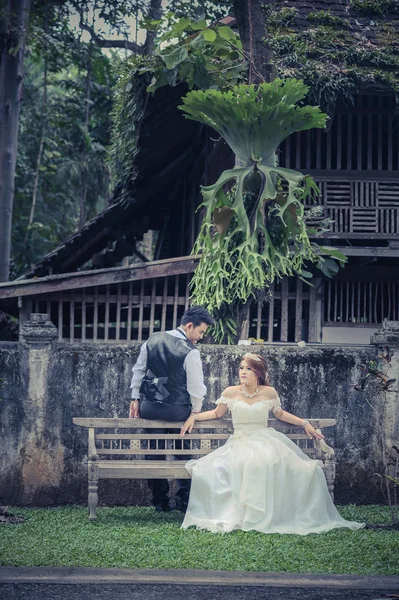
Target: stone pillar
(386, 341)
(39, 331)
(42, 456)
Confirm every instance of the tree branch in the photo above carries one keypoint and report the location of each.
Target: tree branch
(102, 43)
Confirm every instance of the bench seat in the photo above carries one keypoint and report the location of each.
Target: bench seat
(142, 469)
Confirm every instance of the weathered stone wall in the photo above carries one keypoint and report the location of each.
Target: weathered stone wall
(13, 395)
(43, 458)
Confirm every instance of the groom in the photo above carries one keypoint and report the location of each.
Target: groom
(168, 385)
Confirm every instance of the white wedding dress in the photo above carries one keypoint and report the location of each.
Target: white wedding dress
(259, 480)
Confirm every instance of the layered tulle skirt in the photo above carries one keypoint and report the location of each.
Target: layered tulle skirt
(260, 480)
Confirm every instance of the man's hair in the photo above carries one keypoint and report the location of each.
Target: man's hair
(196, 315)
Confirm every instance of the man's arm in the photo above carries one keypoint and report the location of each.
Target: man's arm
(138, 374)
(195, 379)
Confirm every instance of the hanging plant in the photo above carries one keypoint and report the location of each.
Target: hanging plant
(254, 228)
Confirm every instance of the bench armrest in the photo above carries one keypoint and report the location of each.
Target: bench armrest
(92, 451)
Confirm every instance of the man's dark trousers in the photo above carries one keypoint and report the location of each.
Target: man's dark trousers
(160, 411)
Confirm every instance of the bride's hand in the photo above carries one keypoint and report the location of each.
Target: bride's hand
(188, 425)
(311, 431)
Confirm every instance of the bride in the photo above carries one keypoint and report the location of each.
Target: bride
(259, 480)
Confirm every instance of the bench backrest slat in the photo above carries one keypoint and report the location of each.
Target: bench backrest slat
(173, 452)
(171, 436)
(189, 451)
(126, 423)
(171, 444)
(160, 436)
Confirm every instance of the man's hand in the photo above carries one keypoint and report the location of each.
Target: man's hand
(134, 412)
(188, 425)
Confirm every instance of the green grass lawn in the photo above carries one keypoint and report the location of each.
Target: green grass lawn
(141, 538)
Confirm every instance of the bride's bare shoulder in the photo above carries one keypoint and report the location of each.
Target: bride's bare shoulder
(231, 391)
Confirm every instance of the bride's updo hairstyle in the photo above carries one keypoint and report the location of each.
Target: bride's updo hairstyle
(259, 366)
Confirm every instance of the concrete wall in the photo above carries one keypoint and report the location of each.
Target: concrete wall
(43, 458)
(347, 335)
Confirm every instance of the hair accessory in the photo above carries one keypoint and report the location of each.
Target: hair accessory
(253, 356)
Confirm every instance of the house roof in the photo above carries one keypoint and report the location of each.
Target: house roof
(338, 47)
(86, 279)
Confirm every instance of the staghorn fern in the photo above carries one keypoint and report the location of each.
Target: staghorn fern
(241, 254)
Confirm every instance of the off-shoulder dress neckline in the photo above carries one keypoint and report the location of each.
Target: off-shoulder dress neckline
(247, 403)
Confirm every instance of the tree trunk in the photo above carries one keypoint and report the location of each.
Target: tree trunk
(154, 13)
(84, 159)
(253, 34)
(13, 28)
(41, 149)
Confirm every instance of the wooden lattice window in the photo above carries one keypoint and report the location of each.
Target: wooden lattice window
(360, 303)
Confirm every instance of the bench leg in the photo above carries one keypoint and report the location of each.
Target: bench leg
(330, 477)
(93, 490)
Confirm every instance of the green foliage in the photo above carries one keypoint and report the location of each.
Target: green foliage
(64, 537)
(325, 17)
(327, 84)
(332, 59)
(373, 57)
(128, 109)
(283, 16)
(202, 9)
(375, 7)
(254, 230)
(80, 76)
(203, 56)
(224, 329)
(185, 51)
(68, 145)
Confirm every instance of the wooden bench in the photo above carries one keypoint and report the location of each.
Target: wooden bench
(124, 455)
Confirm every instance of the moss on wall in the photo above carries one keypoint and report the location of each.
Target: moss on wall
(336, 56)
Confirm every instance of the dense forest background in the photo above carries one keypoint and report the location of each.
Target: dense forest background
(74, 55)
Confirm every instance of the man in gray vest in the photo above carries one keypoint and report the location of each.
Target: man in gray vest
(168, 385)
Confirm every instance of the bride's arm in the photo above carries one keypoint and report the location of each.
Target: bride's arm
(287, 417)
(216, 413)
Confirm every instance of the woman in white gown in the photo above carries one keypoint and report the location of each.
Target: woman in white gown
(259, 480)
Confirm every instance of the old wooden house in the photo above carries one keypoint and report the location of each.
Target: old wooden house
(95, 291)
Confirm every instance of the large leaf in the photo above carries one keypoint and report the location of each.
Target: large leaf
(172, 59)
(254, 120)
(328, 267)
(181, 25)
(198, 25)
(209, 35)
(227, 33)
(333, 252)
